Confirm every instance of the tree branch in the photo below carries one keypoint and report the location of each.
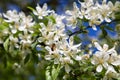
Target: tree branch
(80, 30)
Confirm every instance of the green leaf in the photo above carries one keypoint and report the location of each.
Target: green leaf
(104, 32)
(77, 39)
(35, 57)
(52, 75)
(55, 72)
(5, 44)
(27, 58)
(51, 18)
(34, 45)
(5, 61)
(47, 73)
(3, 25)
(32, 9)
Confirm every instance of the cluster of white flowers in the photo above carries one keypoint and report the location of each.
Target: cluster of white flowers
(23, 31)
(94, 12)
(19, 30)
(54, 37)
(107, 59)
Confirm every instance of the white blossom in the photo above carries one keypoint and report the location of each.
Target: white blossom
(110, 74)
(9, 16)
(41, 11)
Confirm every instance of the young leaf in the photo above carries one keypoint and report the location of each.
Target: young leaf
(47, 73)
(5, 61)
(104, 32)
(32, 9)
(5, 44)
(55, 72)
(77, 40)
(27, 58)
(51, 74)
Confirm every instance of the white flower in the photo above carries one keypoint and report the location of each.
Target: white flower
(101, 60)
(53, 54)
(104, 57)
(72, 16)
(110, 74)
(59, 20)
(78, 58)
(25, 40)
(87, 3)
(68, 48)
(94, 17)
(84, 14)
(104, 48)
(11, 16)
(114, 7)
(14, 41)
(105, 11)
(49, 28)
(26, 22)
(41, 12)
(65, 62)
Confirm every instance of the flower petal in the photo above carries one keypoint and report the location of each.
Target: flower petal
(105, 47)
(67, 68)
(116, 63)
(99, 68)
(98, 46)
(48, 57)
(94, 27)
(44, 7)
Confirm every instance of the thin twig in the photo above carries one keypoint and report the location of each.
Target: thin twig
(35, 1)
(80, 30)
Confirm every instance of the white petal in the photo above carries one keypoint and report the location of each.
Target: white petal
(50, 35)
(78, 45)
(99, 68)
(93, 61)
(105, 47)
(116, 63)
(98, 46)
(48, 57)
(21, 28)
(48, 48)
(94, 27)
(105, 64)
(110, 4)
(111, 69)
(42, 25)
(44, 7)
(13, 31)
(67, 68)
(106, 57)
(107, 19)
(78, 58)
(35, 13)
(112, 51)
(40, 17)
(38, 8)
(105, 78)
(56, 61)
(41, 39)
(68, 12)
(117, 3)
(75, 5)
